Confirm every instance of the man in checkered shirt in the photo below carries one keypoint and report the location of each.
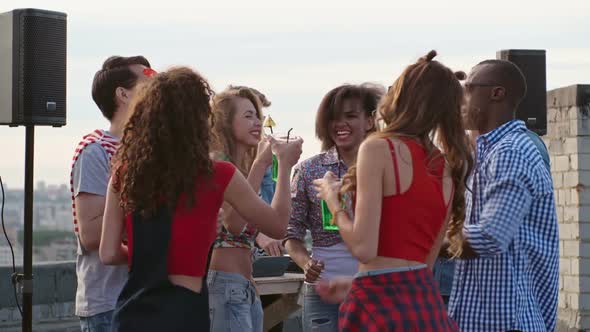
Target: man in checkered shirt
(507, 276)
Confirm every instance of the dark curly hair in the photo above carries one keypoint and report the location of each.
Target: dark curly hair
(165, 145)
(424, 100)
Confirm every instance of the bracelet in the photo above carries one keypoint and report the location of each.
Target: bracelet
(335, 214)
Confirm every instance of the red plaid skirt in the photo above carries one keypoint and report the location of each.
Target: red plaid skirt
(397, 301)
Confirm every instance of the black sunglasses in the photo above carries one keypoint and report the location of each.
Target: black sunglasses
(481, 84)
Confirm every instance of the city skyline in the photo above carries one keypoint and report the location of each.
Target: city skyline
(53, 231)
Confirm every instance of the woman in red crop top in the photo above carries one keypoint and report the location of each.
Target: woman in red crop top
(407, 191)
(165, 194)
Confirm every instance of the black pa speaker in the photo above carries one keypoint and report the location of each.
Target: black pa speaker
(533, 108)
(33, 68)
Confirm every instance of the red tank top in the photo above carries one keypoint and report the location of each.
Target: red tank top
(411, 221)
(194, 228)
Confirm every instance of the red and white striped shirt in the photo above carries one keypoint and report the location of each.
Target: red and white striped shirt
(109, 144)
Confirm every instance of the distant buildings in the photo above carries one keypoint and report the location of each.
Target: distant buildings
(6, 255)
(53, 235)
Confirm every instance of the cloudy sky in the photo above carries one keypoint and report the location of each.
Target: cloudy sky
(293, 51)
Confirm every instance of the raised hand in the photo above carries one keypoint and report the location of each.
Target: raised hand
(264, 154)
(287, 153)
(327, 189)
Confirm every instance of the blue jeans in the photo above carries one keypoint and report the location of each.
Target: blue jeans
(233, 303)
(318, 316)
(443, 271)
(97, 323)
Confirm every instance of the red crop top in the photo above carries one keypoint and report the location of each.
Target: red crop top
(411, 221)
(194, 229)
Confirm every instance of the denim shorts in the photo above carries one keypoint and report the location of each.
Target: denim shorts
(97, 323)
(233, 303)
(444, 270)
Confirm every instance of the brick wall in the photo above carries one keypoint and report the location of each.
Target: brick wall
(568, 140)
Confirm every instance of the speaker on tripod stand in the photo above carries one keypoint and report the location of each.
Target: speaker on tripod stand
(32, 93)
(33, 68)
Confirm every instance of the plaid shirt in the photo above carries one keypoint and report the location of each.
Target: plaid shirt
(512, 225)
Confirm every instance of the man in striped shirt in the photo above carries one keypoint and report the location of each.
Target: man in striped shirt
(99, 285)
(507, 276)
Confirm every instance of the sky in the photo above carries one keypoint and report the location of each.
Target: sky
(292, 51)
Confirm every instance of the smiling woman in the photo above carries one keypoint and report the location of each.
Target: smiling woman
(238, 129)
(344, 118)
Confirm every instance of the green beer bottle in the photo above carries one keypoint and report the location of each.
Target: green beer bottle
(327, 217)
(345, 203)
(275, 168)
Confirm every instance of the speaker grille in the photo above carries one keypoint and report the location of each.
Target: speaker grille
(43, 70)
(533, 108)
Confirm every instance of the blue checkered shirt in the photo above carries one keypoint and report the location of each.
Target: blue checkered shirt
(512, 225)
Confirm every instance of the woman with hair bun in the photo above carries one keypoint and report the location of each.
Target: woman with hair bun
(409, 194)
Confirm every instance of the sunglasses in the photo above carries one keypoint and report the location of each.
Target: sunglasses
(480, 84)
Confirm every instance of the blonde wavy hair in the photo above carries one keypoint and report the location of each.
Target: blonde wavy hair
(224, 110)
